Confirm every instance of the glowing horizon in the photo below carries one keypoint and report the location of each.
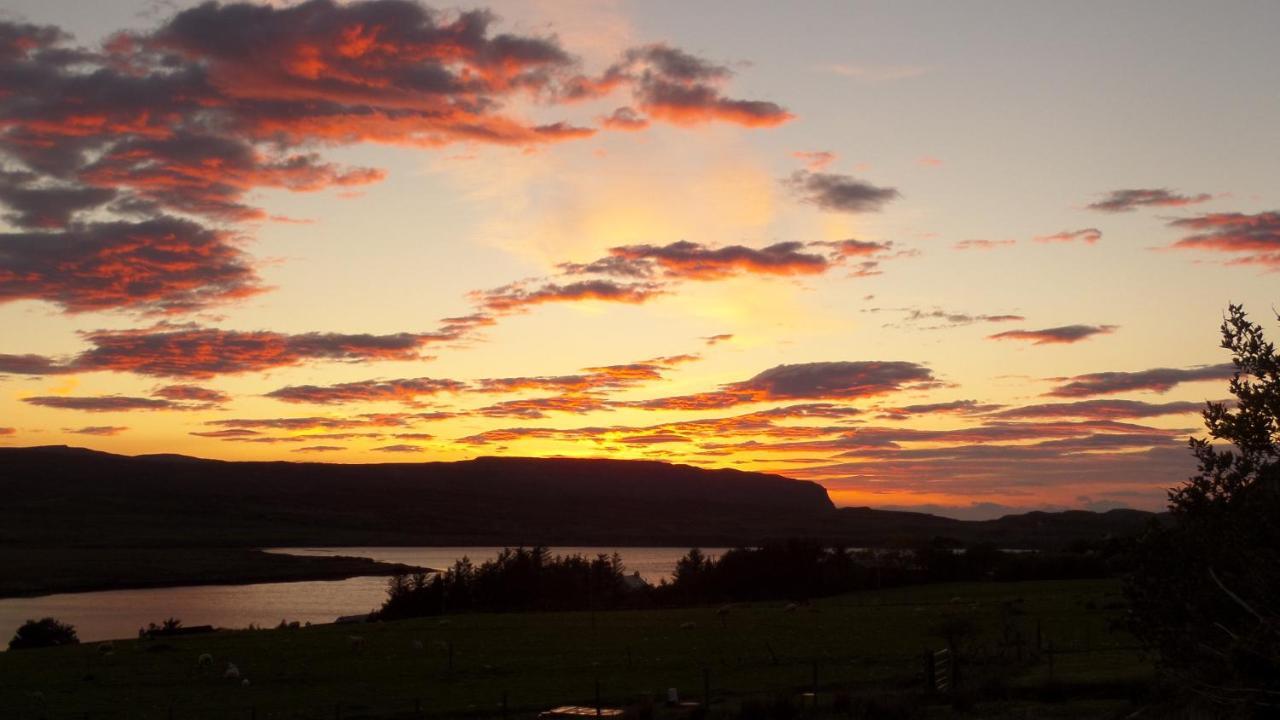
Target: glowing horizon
(956, 268)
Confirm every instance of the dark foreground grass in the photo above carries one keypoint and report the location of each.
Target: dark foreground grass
(867, 645)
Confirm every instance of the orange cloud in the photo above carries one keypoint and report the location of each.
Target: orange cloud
(1087, 235)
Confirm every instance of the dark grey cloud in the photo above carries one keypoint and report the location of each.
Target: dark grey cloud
(104, 403)
(1101, 409)
(817, 380)
(1154, 380)
(839, 193)
(1129, 200)
(1062, 335)
(406, 390)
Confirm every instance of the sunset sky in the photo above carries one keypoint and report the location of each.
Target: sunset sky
(964, 257)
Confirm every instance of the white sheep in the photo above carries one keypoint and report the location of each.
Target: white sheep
(791, 607)
(688, 625)
(244, 682)
(232, 672)
(205, 660)
(107, 648)
(724, 610)
(416, 644)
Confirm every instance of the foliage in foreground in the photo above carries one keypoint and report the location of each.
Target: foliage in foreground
(1206, 587)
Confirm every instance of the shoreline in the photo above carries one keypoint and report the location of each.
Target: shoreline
(34, 572)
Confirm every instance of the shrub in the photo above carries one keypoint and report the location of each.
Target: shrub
(46, 632)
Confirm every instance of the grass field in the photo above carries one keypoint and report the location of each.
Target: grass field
(862, 644)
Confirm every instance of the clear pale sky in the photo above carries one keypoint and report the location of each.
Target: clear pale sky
(960, 257)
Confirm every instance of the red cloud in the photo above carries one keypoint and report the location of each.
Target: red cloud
(164, 265)
(685, 260)
(1087, 235)
(1254, 239)
(209, 174)
(1065, 334)
(672, 85)
(217, 102)
(536, 408)
(195, 352)
(688, 260)
(245, 426)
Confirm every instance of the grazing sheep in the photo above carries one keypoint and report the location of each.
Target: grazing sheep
(205, 660)
(791, 607)
(232, 672)
(724, 610)
(416, 644)
(688, 625)
(357, 642)
(106, 648)
(244, 682)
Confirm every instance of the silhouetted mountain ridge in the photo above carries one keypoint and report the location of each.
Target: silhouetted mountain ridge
(66, 496)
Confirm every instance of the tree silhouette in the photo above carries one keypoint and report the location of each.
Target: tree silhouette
(46, 632)
(1206, 591)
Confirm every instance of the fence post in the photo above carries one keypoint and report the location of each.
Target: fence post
(930, 672)
(706, 687)
(1050, 661)
(815, 681)
(504, 705)
(450, 644)
(597, 697)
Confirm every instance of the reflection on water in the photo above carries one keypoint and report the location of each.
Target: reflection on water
(119, 613)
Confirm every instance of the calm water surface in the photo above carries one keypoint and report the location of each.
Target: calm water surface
(119, 613)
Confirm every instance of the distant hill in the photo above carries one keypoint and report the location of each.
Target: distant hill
(61, 496)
